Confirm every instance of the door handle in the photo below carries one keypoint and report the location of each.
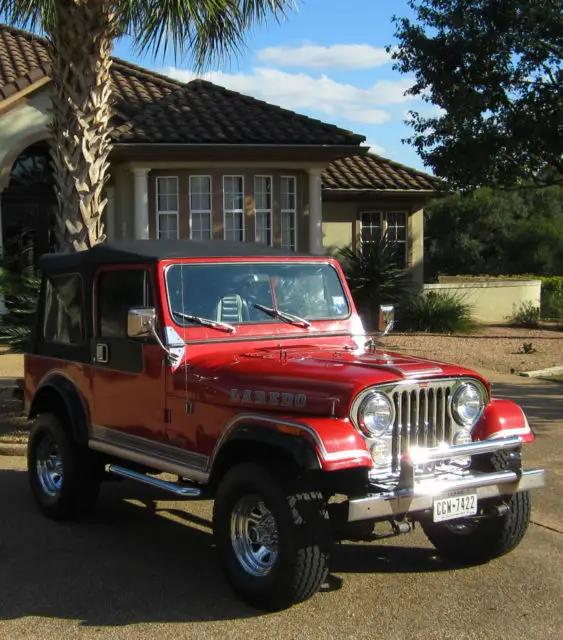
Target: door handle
(102, 353)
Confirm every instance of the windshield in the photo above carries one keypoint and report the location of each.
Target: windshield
(246, 293)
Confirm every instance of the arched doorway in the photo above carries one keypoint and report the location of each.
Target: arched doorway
(28, 206)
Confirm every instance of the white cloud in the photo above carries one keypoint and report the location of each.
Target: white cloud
(337, 56)
(375, 148)
(300, 91)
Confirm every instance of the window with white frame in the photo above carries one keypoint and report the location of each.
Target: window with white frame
(289, 213)
(393, 224)
(167, 208)
(200, 207)
(263, 209)
(233, 208)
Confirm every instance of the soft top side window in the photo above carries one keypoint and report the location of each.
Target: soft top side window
(63, 313)
(117, 292)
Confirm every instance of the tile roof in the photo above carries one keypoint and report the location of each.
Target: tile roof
(202, 112)
(23, 60)
(373, 173)
(152, 108)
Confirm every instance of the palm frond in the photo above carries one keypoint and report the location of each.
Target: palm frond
(35, 16)
(20, 292)
(209, 30)
(375, 278)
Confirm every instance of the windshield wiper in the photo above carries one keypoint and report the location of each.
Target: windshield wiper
(206, 322)
(282, 315)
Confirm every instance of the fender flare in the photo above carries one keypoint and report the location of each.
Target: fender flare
(61, 390)
(299, 448)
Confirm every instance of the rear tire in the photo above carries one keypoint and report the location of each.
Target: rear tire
(273, 541)
(64, 477)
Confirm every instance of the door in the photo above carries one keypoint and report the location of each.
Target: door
(128, 375)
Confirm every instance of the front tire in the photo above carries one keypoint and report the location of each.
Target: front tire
(64, 477)
(273, 541)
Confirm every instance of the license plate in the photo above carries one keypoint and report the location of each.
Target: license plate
(454, 506)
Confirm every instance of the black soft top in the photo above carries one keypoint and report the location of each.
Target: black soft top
(142, 251)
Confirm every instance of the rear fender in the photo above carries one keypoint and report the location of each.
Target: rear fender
(501, 419)
(57, 394)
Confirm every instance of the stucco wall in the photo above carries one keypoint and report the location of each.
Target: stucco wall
(339, 224)
(123, 182)
(492, 300)
(24, 124)
(341, 227)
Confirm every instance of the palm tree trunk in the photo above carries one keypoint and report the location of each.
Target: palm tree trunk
(80, 49)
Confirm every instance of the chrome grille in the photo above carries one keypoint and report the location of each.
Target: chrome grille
(422, 417)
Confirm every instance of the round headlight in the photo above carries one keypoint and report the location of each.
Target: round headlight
(467, 404)
(376, 414)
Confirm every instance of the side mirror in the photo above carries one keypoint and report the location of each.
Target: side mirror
(141, 322)
(386, 318)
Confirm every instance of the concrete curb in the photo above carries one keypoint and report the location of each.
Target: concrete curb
(11, 389)
(542, 372)
(12, 449)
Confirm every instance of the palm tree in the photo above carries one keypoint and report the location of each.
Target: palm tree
(80, 34)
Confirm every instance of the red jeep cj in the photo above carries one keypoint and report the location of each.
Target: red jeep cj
(242, 374)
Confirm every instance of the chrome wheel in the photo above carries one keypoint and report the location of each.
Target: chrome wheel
(254, 536)
(49, 466)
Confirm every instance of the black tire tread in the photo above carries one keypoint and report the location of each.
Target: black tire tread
(304, 511)
(312, 564)
(83, 473)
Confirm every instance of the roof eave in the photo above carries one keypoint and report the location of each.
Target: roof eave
(217, 145)
(397, 191)
(6, 103)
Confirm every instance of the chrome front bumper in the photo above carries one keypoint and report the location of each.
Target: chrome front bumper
(410, 496)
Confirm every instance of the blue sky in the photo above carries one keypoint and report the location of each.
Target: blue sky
(327, 60)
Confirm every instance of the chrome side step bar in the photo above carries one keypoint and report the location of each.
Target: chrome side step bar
(172, 487)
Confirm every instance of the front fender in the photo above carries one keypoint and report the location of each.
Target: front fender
(337, 443)
(501, 419)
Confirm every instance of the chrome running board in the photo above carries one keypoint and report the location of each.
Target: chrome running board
(172, 487)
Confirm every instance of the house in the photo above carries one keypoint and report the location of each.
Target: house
(197, 160)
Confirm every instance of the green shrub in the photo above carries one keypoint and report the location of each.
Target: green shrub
(20, 293)
(375, 278)
(552, 305)
(526, 314)
(436, 312)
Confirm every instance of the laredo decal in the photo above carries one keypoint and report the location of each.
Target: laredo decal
(269, 398)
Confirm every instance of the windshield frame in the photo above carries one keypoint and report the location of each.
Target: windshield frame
(268, 322)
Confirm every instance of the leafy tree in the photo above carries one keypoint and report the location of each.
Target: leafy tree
(493, 71)
(495, 233)
(80, 35)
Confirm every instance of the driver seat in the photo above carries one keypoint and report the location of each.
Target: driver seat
(232, 308)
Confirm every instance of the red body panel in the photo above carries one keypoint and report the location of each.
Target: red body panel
(503, 418)
(284, 377)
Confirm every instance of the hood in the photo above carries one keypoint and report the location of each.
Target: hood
(306, 379)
